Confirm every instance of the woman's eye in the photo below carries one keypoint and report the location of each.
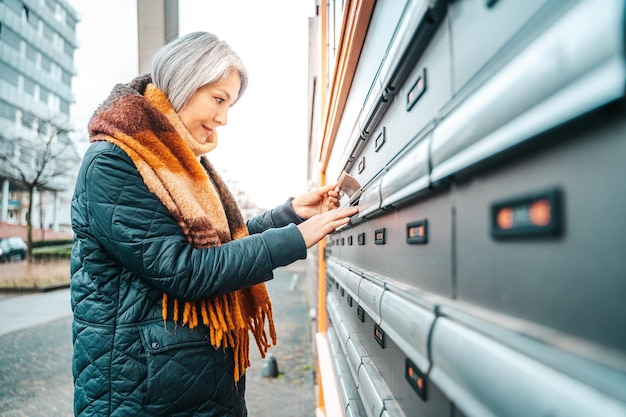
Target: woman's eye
(219, 100)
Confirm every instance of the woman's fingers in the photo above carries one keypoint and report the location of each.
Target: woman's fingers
(317, 227)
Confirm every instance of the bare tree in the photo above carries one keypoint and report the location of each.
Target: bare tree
(35, 158)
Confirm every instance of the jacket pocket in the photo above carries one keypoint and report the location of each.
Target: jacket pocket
(183, 369)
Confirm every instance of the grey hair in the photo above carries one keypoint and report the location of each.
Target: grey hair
(192, 61)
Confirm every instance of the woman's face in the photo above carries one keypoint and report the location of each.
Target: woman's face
(208, 106)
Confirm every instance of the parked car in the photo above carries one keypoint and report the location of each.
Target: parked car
(12, 248)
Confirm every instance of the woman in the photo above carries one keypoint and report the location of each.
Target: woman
(167, 279)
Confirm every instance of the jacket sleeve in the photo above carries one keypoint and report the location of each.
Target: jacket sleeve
(136, 229)
(277, 217)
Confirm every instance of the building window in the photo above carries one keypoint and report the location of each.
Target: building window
(44, 94)
(31, 53)
(59, 13)
(57, 41)
(7, 111)
(11, 38)
(9, 74)
(46, 63)
(65, 107)
(29, 86)
(48, 32)
(66, 77)
(69, 50)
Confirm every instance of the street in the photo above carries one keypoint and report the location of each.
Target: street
(35, 365)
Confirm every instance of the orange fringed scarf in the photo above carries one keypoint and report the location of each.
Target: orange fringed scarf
(139, 118)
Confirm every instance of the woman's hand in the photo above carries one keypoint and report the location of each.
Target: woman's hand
(316, 201)
(318, 226)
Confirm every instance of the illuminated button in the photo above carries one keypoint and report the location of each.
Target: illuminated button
(379, 335)
(532, 215)
(379, 236)
(415, 378)
(417, 232)
(539, 213)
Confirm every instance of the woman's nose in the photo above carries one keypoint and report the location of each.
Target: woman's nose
(221, 117)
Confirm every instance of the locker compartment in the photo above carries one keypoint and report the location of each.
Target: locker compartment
(407, 320)
(336, 317)
(384, 368)
(372, 55)
(484, 377)
(353, 280)
(569, 278)
(346, 384)
(369, 203)
(572, 67)
(407, 175)
(336, 271)
(370, 293)
(413, 109)
(480, 29)
(416, 105)
(417, 244)
(413, 33)
(372, 388)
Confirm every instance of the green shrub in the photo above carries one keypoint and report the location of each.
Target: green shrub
(52, 252)
(57, 242)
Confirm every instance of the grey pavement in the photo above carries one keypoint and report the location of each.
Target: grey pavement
(35, 365)
(19, 312)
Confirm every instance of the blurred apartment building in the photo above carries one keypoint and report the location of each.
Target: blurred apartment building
(37, 45)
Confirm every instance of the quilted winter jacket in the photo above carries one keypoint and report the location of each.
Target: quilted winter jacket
(127, 252)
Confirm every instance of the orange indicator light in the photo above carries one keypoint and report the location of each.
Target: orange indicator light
(539, 213)
(505, 218)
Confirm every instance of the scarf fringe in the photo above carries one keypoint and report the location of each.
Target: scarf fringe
(227, 327)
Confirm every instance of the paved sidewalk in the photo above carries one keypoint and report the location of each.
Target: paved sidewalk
(35, 365)
(23, 311)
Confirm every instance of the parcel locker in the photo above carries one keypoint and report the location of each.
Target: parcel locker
(569, 68)
(387, 355)
(490, 371)
(566, 268)
(419, 22)
(412, 244)
(484, 274)
(412, 109)
(481, 29)
(366, 88)
(415, 106)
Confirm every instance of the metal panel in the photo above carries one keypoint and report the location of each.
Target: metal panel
(486, 379)
(572, 281)
(391, 409)
(352, 284)
(379, 36)
(345, 382)
(408, 323)
(369, 204)
(417, 103)
(415, 29)
(355, 354)
(336, 271)
(571, 68)
(480, 31)
(370, 294)
(335, 317)
(372, 388)
(407, 175)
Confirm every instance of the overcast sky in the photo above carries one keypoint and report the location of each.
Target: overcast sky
(263, 147)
